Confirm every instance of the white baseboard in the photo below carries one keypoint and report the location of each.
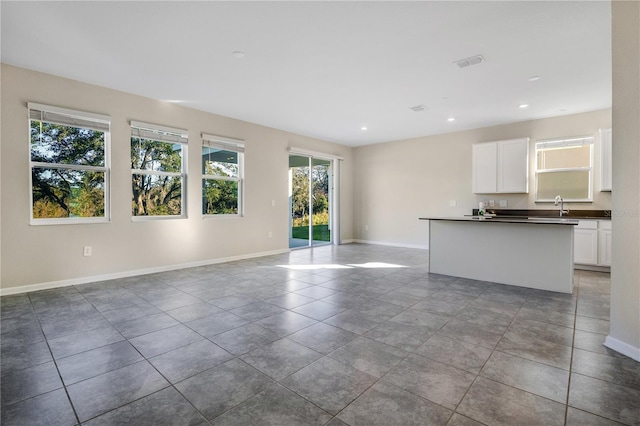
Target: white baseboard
(347, 241)
(383, 243)
(622, 347)
(133, 273)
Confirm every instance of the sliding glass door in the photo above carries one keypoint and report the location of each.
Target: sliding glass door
(310, 199)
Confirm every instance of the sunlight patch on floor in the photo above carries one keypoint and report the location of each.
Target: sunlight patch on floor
(336, 266)
(376, 265)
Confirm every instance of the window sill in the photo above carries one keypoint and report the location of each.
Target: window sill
(222, 216)
(68, 221)
(153, 218)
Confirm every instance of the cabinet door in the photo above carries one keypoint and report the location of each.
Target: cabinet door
(585, 246)
(604, 247)
(484, 168)
(605, 159)
(513, 165)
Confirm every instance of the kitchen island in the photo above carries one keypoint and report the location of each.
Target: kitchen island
(527, 252)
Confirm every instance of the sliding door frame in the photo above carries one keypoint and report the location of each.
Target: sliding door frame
(334, 191)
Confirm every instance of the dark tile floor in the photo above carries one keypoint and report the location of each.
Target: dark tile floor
(333, 335)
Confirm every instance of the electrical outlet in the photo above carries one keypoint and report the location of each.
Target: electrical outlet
(492, 203)
(273, 203)
(503, 203)
(366, 227)
(87, 251)
(453, 203)
(270, 234)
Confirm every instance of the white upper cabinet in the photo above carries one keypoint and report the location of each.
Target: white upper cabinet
(484, 168)
(501, 167)
(513, 165)
(605, 159)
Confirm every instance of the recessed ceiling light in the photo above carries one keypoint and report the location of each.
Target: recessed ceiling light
(418, 108)
(523, 106)
(451, 119)
(534, 78)
(562, 110)
(238, 54)
(363, 128)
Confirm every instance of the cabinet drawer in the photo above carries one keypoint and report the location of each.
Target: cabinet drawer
(604, 224)
(587, 224)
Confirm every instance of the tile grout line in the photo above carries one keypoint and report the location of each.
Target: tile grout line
(573, 341)
(378, 380)
(279, 382)
(64, 386)
(171, 385)
(136, 349)
(496, 350)
(125, 339)
(487, 360)
(235, 357)
(409, 353)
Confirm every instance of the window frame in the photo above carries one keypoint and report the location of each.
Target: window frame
(163, 134)
(227, 144)
(541, 145)
(78, 119)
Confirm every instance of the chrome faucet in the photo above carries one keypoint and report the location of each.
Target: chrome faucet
(561, 201)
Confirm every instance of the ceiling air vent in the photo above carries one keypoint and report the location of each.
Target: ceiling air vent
(467, 62)
(418, 108)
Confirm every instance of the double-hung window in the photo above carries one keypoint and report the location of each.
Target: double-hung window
(222, 175)
(564, 167)
(158, 171)
(69, 162)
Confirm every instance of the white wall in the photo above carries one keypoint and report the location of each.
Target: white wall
(398, 182)
(624, 335)
(44, 254)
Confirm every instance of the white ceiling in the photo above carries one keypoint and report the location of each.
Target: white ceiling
(326, 69)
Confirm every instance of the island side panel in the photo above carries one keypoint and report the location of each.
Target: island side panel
(537, 256)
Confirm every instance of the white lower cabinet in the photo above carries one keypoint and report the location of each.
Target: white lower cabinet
(604, 243)
(592, 243)
(585, 242)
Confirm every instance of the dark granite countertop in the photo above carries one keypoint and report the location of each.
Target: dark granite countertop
(572, 214)
(524, 220)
